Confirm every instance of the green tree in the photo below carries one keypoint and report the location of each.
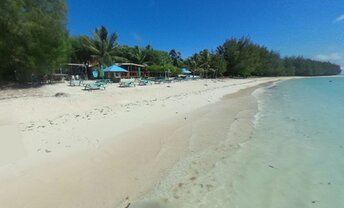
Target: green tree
(139, 55)
(219, 64)
(35, 37)
(307, 67)
(163, 70)
(242, 56)
(158, 57)
(10, 27)
(207, 64)
(176, 57)
(102, 45)
(194, 63)
(79, 53)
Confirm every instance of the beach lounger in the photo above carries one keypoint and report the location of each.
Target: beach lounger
(144, 82)
(104, 81)
(127, 83)
(81, 82)
(95, 86)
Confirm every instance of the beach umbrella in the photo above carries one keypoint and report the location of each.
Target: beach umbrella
(116, 69)
(185, 71)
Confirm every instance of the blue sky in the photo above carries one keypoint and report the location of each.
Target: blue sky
(314, 29)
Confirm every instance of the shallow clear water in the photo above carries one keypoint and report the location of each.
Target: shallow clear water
(296, 156)
(294, 159)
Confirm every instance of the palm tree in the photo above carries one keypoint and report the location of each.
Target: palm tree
(102, 45)
(202, 63)
(205, 61)
(176, 57)
(138, 55)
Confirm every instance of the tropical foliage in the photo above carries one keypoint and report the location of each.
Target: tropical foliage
(33, 38)
(243, 58)
(176, 57)
(102, 45)
(79, 52)
(207, 64)
(34, 42)
(165, 69)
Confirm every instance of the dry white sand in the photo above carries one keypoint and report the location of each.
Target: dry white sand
(106, 148)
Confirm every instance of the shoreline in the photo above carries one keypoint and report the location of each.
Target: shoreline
(134, 159)
(193, 170)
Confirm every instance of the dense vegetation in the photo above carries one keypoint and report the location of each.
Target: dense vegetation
(236, 57)
(34, 42)
(33, 38)
(244, 58)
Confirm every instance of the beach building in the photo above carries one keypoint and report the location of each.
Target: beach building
(134, 70)
(69, 69)
(114, 73)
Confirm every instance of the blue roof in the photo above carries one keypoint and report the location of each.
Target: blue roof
(115, 68)
(186, 71)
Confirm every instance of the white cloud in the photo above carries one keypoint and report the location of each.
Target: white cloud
(340, 18)
(329, 57)
(336, 58)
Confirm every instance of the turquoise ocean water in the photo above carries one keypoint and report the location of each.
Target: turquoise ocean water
(295, 158)
(296, 155)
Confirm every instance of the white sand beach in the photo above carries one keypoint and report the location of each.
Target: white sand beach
(111, 147)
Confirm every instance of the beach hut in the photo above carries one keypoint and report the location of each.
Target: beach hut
(135, 70)
(70, 69)
(114, 72)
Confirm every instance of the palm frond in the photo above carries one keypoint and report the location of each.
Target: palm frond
(101, 44)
